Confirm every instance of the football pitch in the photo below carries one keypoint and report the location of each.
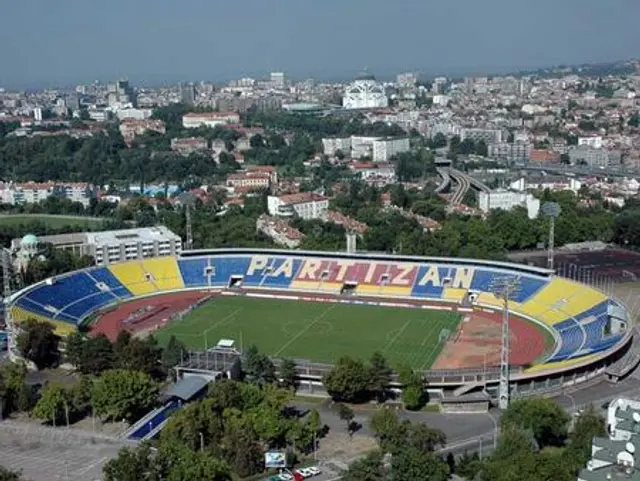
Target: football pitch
(317, 331)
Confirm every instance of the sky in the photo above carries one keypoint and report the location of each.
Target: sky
(68, 42)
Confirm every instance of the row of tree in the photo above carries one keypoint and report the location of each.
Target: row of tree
(535, 443)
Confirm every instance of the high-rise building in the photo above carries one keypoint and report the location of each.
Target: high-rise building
(187, 93)
(277, 79)
(37, 114)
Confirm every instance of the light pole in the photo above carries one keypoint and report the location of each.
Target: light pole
(552, 211)
(505, 288)
(495, 430)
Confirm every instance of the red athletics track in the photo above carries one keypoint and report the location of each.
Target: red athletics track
(476, 343)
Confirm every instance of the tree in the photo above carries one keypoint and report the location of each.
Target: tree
(348, 380)
(588, 425)
(543, 416)
(258, 367)
(132, 464)
(38, 343)
(7, 475)
(174, 353)
(123, 394)
(412, 463)
(388, 430)
(197, 425)
(16, 395)
(369, 468)
(288, 374)
(73, 348)
(97, 355)
(413, 394)
(424, 438)
(141, 355)
(54, 405)
(380, 373)
(346, 414)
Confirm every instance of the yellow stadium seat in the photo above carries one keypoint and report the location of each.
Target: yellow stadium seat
(149, 275)
(61, 328)
(454, 294)
(165, 272)
(561, 299)
(560, 364)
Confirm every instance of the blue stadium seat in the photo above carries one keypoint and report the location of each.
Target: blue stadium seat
(486, 281)
(571, 341)
(31, 306)
(193, 271)
(227, 266)
(104, 275)
(429, 290)
(85, 306)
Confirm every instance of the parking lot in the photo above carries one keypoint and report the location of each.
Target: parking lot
(43, 454)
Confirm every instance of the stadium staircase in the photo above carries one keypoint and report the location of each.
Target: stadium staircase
(151, 424)
(465, 388)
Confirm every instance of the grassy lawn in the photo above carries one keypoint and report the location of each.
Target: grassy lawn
(316, 331)
(50, 221)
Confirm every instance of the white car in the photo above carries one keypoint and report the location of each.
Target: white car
(285, 477)
(314, 470)
(305, 472)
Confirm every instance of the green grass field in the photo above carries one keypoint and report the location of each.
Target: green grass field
(51, 221)
(316, 331)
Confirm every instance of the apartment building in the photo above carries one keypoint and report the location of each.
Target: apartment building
(516, 152)
(385, 149)
(507, 200)
(131, 128)
(35, 192)
(586, 155)
(251, 180)
(209, 119)
(306, 205)
(331, 146)
(490, 136)
(189, 145)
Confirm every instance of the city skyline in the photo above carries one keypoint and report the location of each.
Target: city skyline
(325, 41)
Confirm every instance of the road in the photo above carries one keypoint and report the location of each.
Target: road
(474, 432)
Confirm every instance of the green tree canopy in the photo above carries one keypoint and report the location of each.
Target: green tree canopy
(38, 343)
(123, 394)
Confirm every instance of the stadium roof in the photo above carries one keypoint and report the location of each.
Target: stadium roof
(187, 388)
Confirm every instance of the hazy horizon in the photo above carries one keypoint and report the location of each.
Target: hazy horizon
(151, 42)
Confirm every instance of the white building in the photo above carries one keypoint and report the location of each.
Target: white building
(117, 245)
(306, 205)
(37, 114)
(442, 100)
(134, 114)
(332, 145)
(365, 93)
(385, 149)
(35, 192)
(209, 119)
(618, 456)
(277, 79)
(554, 184)
(507, 200)
(490, 136)
(595, 141)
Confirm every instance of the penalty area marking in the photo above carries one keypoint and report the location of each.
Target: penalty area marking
(305, 329)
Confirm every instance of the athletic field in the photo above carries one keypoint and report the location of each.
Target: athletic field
(317, 331)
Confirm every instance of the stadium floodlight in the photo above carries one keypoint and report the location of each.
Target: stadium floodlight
(188, 200)
(505, 288)
(551, 210)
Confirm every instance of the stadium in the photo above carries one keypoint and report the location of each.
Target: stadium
(438, 315)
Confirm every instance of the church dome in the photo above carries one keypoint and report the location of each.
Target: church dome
(29, 240)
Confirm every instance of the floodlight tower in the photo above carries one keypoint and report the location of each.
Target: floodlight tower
(505, 288)
(189, 201)
(552, 211)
